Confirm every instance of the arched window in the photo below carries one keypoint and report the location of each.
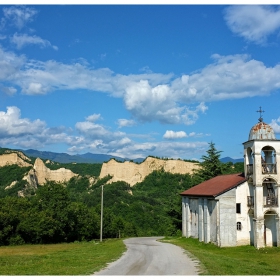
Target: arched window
(238, 225)
(268, 160)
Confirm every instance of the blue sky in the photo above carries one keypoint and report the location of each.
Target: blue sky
(138, 80)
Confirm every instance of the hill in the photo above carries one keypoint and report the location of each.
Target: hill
(92, 158)
(78, 158)
(229, 159)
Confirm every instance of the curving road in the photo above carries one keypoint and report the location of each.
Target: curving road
(147, 256)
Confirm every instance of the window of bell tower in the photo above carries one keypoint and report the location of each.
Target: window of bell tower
(270, 193)
(268, 160)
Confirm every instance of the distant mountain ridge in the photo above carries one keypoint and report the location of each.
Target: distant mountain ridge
(92, 158)
(78, 158)
(229, 159)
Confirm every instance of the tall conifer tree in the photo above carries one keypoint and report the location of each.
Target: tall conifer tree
(210, 166)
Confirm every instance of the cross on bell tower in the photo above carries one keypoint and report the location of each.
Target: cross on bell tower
(260, 111)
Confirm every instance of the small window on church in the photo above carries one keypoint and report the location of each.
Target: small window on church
(238, 208)
(238, 225)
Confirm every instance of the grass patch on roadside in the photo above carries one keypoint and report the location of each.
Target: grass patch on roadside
(81, 258)
(240, 260)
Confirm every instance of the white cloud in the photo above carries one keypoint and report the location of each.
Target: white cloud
(93, 118)
(25, 133)
(170, 134)
(254, 23)
(275, 124)
(8, 90)
(148, 97)
(125, 122)
(21, 40)
(92, 131)
(190, 116)
(183, 150)
(19, 15)
(149, 103)
(229, 77)
(194, 134)
(12, 125)
(10, 66)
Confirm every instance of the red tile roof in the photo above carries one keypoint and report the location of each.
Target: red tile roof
(216, 185)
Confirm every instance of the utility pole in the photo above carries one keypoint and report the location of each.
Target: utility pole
(101, 216)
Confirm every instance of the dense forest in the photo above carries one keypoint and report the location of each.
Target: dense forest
(71, 211)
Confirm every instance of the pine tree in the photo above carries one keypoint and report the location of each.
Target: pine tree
(210, 166)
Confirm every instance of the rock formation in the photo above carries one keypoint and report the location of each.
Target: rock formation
(133, 173)
(39, 174)
(14, 158)
(43, 173)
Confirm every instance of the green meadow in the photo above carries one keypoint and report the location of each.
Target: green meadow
(79, 258)
(85, 258)
(241, 260)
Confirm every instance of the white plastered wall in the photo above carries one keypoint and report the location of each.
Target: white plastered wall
(243, 235)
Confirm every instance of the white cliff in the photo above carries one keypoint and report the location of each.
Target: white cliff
(133, 173)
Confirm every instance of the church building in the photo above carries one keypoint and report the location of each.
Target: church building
(239, 209)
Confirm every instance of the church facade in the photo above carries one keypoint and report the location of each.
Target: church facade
(239, 209)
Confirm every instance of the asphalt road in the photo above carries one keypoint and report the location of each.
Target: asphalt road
(146, 256)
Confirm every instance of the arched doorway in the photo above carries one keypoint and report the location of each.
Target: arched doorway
(270, 228)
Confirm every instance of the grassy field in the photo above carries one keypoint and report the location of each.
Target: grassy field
(83, 258)
(241, 260)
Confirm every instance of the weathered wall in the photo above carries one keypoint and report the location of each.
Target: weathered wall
(133, 173)
(43, 173)
(14, 158)
(227, 219)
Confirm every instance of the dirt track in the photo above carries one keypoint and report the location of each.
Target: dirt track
(146, 256)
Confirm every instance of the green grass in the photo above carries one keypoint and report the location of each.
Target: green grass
(85, 258)
(82, 258)
(241, 260)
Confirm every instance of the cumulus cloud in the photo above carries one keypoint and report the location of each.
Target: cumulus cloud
(275, 124)
(93, 117)
(10, 66)
(8, 90)
(12, 125)
(148, 97)
(93, 131)
(21, 40)
(190, 116)
(125, 122)
(183, 150)
(26, 133)
(170, 134)
(99, 139)
(148, 103)
(39, 77)
(254, 23)
(19, 16)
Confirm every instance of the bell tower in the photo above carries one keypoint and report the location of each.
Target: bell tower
(262, 170)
